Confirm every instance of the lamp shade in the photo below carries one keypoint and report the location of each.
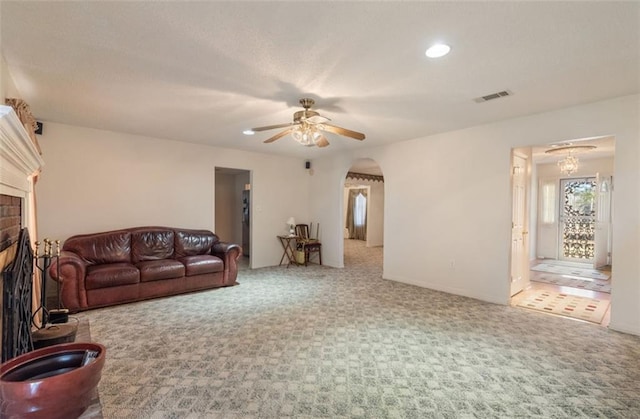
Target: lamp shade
(291, 221)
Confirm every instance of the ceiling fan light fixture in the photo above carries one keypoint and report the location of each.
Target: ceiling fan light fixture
(306, 135)
(437, 50)
(248, 132)
(307, 128)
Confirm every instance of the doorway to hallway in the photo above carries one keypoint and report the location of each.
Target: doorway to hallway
(232, 209)
(363, 204)
(569, 230)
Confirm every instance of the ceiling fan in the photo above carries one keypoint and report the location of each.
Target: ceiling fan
(307, 127)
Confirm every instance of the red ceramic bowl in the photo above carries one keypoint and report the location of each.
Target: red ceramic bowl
(50, 382)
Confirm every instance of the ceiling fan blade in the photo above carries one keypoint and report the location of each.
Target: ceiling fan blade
(317, 119)
(343, 131)
(278, 136)
(268, 127)
(322, 141)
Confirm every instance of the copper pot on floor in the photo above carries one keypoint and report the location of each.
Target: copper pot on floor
(58, 381)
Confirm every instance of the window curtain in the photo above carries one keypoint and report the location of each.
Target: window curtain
(357, 214)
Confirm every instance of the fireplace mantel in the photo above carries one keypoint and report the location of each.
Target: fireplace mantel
(19, 157)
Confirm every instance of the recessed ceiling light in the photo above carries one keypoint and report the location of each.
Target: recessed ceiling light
(438, 50)
(248, 132)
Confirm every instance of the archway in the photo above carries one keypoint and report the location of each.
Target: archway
(363, 207)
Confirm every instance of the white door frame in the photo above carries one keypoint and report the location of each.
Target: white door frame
(519, 274)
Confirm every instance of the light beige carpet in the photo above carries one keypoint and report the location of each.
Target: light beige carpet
(589, 309)
(323, 343)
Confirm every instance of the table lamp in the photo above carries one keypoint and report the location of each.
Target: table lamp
(292, 225)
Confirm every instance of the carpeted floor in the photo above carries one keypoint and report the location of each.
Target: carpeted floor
(318, 342)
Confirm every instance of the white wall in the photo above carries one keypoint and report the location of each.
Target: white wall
(3, 78)
(97, 180)
(461, 215)
(375, 214)
(7, 85)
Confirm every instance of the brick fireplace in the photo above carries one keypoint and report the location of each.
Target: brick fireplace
(10, 220)
(10, 225)
(20, 163)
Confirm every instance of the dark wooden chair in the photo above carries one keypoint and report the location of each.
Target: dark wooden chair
(306, 244)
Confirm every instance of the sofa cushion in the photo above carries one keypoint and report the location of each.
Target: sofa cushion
(194, 242)
(153, 270)
(111, 275)
(151, 243)
(202, 264)
(101, 248)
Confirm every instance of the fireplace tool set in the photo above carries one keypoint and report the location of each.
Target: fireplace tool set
(50, 328)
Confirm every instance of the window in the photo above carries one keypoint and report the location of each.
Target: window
(360, 211)
(548, 202)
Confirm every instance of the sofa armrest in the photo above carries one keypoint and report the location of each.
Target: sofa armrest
(73, 270)
(229, 253)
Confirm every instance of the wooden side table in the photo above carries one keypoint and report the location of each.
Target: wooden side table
(288, 246)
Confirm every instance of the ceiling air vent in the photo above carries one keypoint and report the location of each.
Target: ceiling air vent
(492, 96)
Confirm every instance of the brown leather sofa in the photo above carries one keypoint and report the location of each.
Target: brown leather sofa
(114, 267)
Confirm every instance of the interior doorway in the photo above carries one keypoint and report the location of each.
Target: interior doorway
(570, 258)
(232, 209)
(363, 206)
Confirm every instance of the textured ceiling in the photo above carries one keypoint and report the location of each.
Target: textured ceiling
(204, 71)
